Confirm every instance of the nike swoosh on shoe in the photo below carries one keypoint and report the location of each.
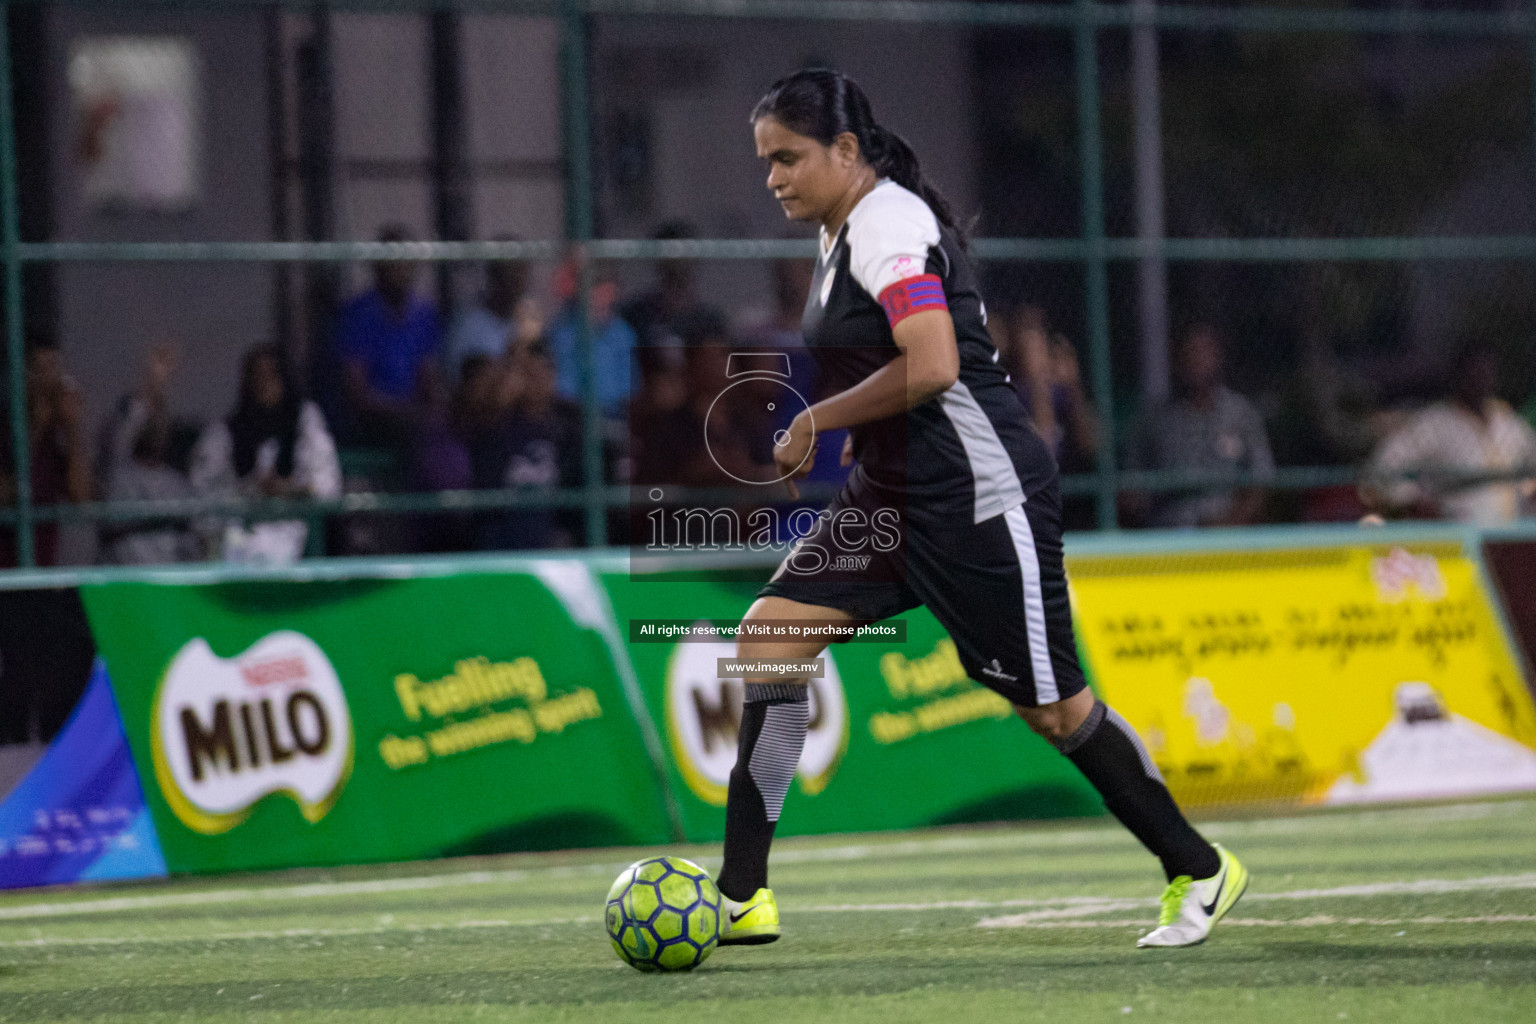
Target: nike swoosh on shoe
(1210, 908)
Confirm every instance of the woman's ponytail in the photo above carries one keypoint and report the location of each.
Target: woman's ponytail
(893, 157)
(822, 105)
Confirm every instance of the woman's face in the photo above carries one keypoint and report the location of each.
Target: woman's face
(266, 382)
(807, 178)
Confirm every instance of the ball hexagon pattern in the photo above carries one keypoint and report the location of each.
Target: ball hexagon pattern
(663, 914)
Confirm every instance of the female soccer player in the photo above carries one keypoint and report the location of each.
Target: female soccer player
(943, 447)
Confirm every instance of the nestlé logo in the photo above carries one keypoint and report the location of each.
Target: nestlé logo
(228, 731)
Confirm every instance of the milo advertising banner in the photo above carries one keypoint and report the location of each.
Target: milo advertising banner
(333, 721)
(899, 736)
(1317, 674)
(310, 716)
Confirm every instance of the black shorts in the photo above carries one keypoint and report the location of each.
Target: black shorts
(998, 586)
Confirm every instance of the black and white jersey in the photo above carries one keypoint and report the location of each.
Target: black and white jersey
(970, 451)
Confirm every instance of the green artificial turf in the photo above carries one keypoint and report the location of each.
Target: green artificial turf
(1401, 915)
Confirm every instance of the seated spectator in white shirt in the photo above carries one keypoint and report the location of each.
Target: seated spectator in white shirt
(146, 476)
(274, 444)
(1468, 432)
(135, 465)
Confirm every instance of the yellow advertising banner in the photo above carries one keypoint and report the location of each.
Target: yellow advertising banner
(1317, 675)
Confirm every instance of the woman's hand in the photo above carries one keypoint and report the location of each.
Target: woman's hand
(847, 457)
(795, 456)
(159, 364)
(527, 322)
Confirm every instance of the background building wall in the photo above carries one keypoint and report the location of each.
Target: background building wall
(671, 102)
(109, 313)
(683, 88)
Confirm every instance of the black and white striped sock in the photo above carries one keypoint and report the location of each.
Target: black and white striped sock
(773, 726)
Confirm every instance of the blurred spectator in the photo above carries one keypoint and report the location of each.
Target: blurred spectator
(676, 411)
(739, 432)
(138, 467)
(146, 475)
(530, 440)
(273, 445)
(661, 431)
(440, 456)
(505, 314)
(613, 340)
(440, 459)
(147, 401)
(1470, 431)
(658, 314)
(791, 286)
(60, 464)
(1024, 352)
(1074, 413)
(387, 342)
(1049, 380)
(1205, 427)
(1327, 417)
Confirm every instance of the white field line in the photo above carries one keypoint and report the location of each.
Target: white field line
(294, 933)
(1061, 913)
(1077, 904)
(1315, 921)
(1396, 816)
(421, 883)
(1418, 887)
(1022, 840)
(1068, 906)
(1068, 837)
(223, 897)
(311, 890)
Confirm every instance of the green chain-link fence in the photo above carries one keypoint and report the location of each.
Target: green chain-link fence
(1093, 249)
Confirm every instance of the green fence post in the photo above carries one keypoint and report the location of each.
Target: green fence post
(1531, 55)
(577, 116)
(1095, 266)
(10, 237)
(314, 540)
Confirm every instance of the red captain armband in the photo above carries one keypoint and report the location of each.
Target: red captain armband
(913, 295)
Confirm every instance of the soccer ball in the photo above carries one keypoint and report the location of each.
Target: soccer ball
(663, 914)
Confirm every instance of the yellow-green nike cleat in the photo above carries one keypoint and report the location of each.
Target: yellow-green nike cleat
(1191, 908)
(751, 923)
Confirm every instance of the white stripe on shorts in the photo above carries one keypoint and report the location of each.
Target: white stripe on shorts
(996, 480)
(1046, 691)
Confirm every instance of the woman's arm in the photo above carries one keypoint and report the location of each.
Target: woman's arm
(929, 365)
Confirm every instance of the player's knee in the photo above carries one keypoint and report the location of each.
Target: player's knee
(1061, 718)
(1049, 721)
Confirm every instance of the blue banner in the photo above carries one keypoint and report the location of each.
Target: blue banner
(79, 815)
